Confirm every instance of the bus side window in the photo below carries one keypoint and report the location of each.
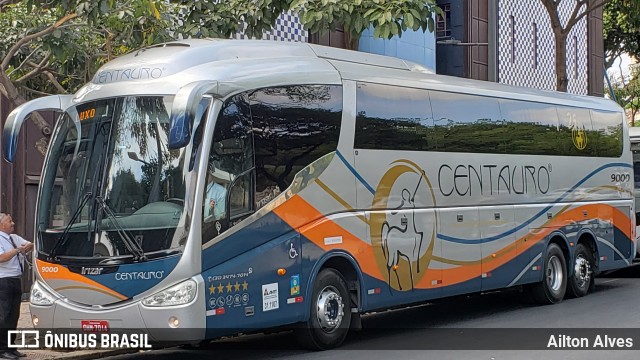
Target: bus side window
(607, 128)
(467, 123)
(293, 127)
(227, 193)
(532, 128)
(576, 135)
(393, 118)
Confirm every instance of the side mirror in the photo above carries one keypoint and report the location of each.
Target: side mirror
(18, 115)
(183, 111)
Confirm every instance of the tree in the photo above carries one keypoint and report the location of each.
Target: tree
(388, 18)
(621, 27)
(56, 47)
(561, 30)
(627, 92)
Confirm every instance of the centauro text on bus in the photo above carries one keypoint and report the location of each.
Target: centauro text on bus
(207, 187)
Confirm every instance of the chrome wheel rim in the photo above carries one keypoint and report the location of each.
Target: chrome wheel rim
(582, 271)
(330, 309)
(554, 275)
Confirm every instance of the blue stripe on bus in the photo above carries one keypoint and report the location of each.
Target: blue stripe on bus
(508, 232)
(355, 173)
(261, 231)
(133, 279)
(526, 223)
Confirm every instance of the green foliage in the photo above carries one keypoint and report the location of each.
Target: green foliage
(78, 37)
(56, 46)
(628, 93)
(387, 17)
(621, 27)
(206, 18)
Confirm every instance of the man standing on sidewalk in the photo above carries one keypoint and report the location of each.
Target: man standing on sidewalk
(12, 252)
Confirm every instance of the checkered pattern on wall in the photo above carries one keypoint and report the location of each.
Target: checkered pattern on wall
(287, 28)
(516, 62)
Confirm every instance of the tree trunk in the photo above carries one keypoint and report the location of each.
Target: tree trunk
(561, 61)
(351, 41)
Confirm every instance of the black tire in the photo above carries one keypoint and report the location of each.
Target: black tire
(582, 279)
(554, 278)
(330, 315)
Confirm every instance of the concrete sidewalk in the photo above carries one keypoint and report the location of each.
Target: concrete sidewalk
(24, 323)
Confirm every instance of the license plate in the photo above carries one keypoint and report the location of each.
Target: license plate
(95, 325)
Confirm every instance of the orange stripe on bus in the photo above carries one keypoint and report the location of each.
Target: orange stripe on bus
(298, 213)
(469, 271)
(62, 273)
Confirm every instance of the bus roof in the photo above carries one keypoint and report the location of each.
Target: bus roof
(239, 65)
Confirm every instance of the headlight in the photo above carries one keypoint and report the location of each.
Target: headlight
(41, 297)
(179, 294)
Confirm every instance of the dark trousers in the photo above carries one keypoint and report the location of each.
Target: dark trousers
(10, 297)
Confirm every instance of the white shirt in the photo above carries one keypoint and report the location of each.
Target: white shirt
(217, 193)
(10, 268)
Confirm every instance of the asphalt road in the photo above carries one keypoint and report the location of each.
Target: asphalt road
(500, 325)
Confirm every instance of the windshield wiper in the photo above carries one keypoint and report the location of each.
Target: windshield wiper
(62, 240)
(129, 243)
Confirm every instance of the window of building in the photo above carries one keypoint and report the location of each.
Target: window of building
(512, 22)
(535, 45)
(443, 23)
(575, 57)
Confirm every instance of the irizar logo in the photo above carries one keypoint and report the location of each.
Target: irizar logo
(91, 270)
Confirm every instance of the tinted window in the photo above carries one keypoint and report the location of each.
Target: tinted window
(228, 190)
(607, 128)
(293, 127)
(467, 123)
(400, 118)
(392, 117)
(531, 128)
(576, 135)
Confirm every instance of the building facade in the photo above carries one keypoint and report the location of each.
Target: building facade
(506, 41)
(511, 42)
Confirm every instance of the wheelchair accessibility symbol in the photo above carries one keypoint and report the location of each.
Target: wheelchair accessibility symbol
(293, 253)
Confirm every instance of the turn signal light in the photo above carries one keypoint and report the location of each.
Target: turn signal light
(174, 322)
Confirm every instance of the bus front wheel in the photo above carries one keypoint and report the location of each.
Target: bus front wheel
(554, 280)
(330, 314)
(581, 281)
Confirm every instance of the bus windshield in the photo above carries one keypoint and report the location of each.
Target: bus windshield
(111, 187)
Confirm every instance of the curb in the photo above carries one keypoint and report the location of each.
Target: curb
(75, 354)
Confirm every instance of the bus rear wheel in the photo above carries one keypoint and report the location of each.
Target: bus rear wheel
(330, 315)
(581, 281)
(554, 280)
